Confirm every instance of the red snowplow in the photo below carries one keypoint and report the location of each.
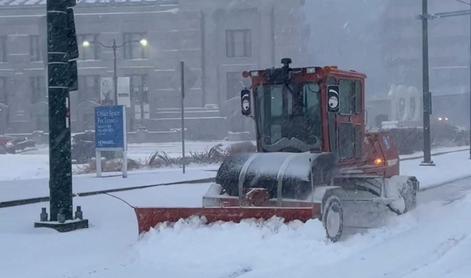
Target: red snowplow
(314, 157)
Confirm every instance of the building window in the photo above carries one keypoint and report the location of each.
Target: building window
(239, 43)
(35, 48)
(234, 84)
(139, 89)
(3, 49)
(38, 89)
(91, 50)
(3, 90)
(132, 48)
(139, 97)
(89, 88)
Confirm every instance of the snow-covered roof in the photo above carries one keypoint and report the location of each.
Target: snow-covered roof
(26, 3)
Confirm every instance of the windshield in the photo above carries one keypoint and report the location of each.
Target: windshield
(289, 117)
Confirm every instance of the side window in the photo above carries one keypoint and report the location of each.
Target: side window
(276, 102)
(350, 97)
(346, 94)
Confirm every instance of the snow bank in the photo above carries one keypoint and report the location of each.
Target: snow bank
(425, 243)
(230, 250)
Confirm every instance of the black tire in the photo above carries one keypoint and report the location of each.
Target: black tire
(332, 216)
(3, 150)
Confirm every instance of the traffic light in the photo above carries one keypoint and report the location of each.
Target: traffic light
(62, 52)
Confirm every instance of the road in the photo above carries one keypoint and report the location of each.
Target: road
(447, 193)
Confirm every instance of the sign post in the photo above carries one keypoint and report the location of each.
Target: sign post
(110, 134)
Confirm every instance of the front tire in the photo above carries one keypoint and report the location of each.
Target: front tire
(407, 198)
(332, 217)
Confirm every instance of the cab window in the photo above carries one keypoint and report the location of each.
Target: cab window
(350, 97)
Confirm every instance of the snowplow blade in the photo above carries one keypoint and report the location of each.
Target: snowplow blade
(149, 217)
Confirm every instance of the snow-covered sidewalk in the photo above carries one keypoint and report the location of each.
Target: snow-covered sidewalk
(449, 167)
(34, 164)
(34, 188)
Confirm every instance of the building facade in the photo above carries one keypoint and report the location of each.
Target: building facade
(448, 54)
(217, 40)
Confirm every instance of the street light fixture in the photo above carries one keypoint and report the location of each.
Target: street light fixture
(86, 44)
(143, 42)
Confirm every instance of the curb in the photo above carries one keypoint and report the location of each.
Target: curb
(435, 154)
(28, 201)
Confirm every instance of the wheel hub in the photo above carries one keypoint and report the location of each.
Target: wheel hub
(333, 221)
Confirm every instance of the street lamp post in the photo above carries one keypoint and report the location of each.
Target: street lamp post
(461, 13)
(143, 42)
(427, 101)
(115, 72)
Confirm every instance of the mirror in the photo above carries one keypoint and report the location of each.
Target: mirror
(246, 105)
(333, 98)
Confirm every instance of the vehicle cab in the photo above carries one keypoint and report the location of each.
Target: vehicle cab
(316, 109)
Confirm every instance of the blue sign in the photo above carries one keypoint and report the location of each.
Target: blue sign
(110, 127)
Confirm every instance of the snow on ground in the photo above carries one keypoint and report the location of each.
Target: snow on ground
(173, 149)
(432, 241)
(34, 163)
(23, 166)
(24, 189)
(406, 247)
(448, 167)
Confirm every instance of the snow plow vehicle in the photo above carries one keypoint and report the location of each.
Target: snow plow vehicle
(314, 157)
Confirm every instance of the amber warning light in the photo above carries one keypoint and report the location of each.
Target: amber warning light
(379, 162)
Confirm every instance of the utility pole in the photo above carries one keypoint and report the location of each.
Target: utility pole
(427, 96)
(182, 76)
(461, 13)
(62, 76)
(469, 89)
(115, 72)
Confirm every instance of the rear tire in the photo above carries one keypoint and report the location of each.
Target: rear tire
(332, 217)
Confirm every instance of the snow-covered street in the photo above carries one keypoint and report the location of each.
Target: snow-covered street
(235, 139)
(432, 241)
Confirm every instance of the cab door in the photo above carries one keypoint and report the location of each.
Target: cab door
(346, 125)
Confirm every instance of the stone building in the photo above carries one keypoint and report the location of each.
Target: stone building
(217, 39)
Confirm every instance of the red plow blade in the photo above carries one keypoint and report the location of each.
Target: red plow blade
(149, 217)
